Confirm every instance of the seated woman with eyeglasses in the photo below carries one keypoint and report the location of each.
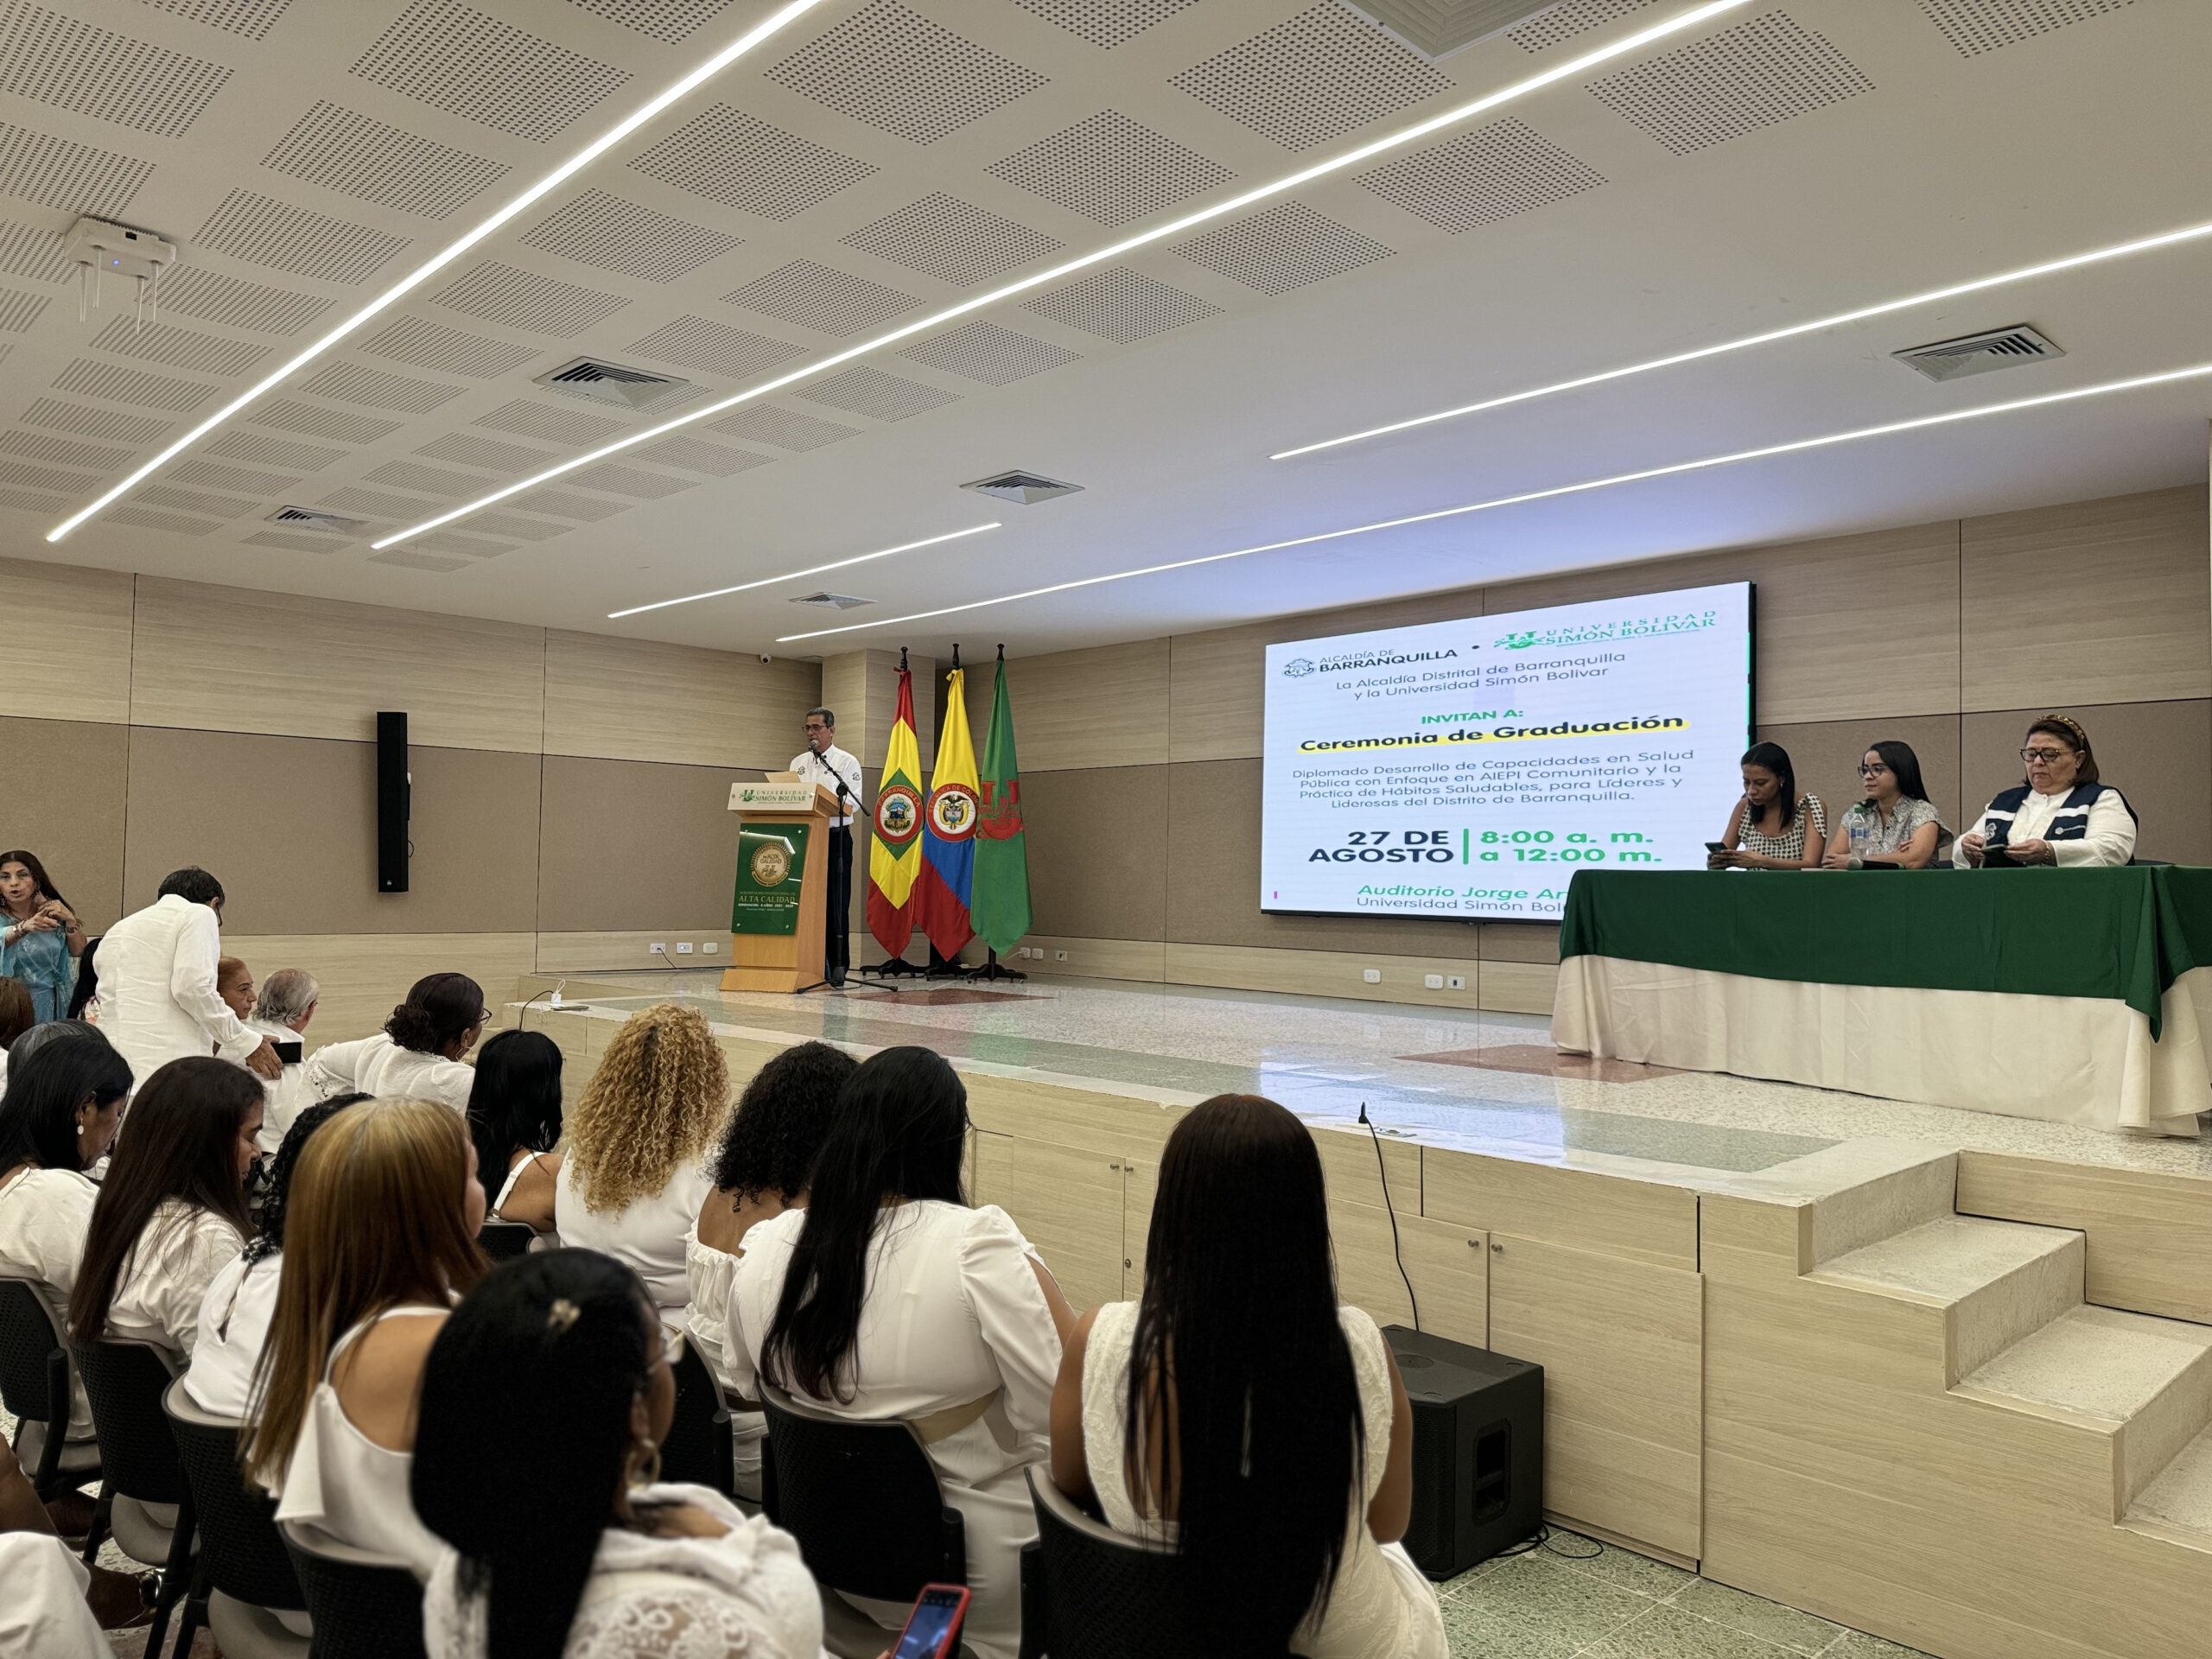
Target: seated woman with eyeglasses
(2061, 814)
(1895, 824)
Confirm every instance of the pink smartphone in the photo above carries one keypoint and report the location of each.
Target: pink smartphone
(933, 1628)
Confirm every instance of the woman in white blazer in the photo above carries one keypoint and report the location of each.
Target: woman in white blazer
(417, 1055)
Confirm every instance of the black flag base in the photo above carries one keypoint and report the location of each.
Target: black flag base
(895, 968)
(993, 969)
(944, 967)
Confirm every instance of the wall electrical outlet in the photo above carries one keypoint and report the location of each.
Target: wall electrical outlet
(1059, 956)
(684, 948)
(657, 949)
(1372, 976)
(710, 948)
(1455, 983)
(1434, 982)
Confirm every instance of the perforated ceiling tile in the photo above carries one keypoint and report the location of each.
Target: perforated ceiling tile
(23, 473)
(612, 234)
(1315, 76)
(673, 21)
(431, 480)
(523, 529)
(471, 451)
(95, 422)
(274, 452)
(18, 310)
(698, 456)
(1564, 23)
(555, 425)
(1978, 26)
(985, 352)
(40, 255)
(1122, 305)
(209, 296)
(472, 547)
(251, 18)
(1286, 247)
(1112, 169)
(263, 231)
(147, 518)
(1482, 177)
(288, 415)
(344, 150)
(457, 59)
(942, 237)
(815, 297)
(222, 506)
(374, 504)
(628, 480)
(1759, 74)
(561, 504)
(701, 343)
(786, 429)
(75, 66)
(526, 299)
(180, 348)
(433, 346)
(73, 178)
(895, 69)
(405, 559)
(231, 478)
(293, 543)
(355, 383)
(23, 501)
(44, 446)
(114, 384)
(726, 156)
(1105, 23)
(880, 395)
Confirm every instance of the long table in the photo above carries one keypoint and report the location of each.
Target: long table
(2079, 997)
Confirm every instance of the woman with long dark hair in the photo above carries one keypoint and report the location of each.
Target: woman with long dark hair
(1238, 1410)
(1772, 826)
(544, 1401)
(417, 1055)
(40, 937)
(514, 1118)
(1895, 824)
(889, 1297)
(172, 1210)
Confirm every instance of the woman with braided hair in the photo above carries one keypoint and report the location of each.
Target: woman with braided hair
(2061, 814)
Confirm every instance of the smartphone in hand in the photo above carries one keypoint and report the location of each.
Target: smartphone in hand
(933, 1628)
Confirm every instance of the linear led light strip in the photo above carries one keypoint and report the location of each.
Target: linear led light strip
(2135, 384)
(811, 570)
(775, 22)
(2117, 250)
(1305, 175)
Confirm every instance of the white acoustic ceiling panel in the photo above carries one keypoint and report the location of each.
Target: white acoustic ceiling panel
(1112, 169)
(24, 501)
(529, 300)
(785, 429)
(65, 416)
(263, 231)
(729, 156)
(62, 452)
(374, 504)
(895, 69)
(473, 547)
(178, 348)
(1104, 23)
(469, 451)
(1768, 70)
(1483, 176)
(222, 506)
(985, 352)
(560, 504)
(1978, 26)
(952, 240)
(433, 346)
(289, 415)
(1565, 20)
(430, 480)
(73, 64)
(1319, 75)
(43, 256)
(816, 296)
(1286, 247)
(611, 234)
(356, 382)
(19, 310)
(701, 343)
(292, 543)
(695, 455)
(1122, 305)
(407, 559)
(113, 383)
(69, 177)
(209, 296)
(344, 150)
(673, 21)
(468, 63)
(523, 529)
(618, 479)
(232, 478)
(274, 452)
(879, 396)
(555, 425)
(251, 18)
(26, 476)
(176, 523)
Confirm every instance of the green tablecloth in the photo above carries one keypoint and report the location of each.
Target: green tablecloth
(2120, 934)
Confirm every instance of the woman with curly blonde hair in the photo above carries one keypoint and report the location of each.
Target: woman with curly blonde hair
(639, 1144)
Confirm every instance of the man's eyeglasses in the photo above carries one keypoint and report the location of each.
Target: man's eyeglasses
(2049, 757)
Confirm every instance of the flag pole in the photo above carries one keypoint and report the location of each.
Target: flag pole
(992, 968)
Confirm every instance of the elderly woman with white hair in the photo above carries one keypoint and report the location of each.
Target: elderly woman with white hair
(281, 1014)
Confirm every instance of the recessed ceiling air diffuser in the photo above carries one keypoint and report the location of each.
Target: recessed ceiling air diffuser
(1436, 28)
(829, 601)
(2000, 348)
(309, 518)
(614, 382)
(1024, 489)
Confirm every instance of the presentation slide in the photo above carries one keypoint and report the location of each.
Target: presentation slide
(1468, 769)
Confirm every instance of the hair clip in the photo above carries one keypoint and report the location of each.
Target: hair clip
(563, 1314)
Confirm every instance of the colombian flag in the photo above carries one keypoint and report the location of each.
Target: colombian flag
(896, 854)
(946, 870)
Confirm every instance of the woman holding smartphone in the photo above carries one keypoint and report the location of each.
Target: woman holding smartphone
(1772, 827)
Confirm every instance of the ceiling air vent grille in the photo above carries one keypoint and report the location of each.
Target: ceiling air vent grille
(2000, 349)
(1437, 28)
(309, 518)
(829, 601)
(1025, 489)
(614, 382)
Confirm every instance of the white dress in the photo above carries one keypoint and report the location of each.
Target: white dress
(43, 1616)
(952, 1315)
(234, 1318)
(745, 1595)
(165, 1278)
(647, 1236)
(44, 1216)
(710, 1272)
(377, 1065)
(1381, 1608)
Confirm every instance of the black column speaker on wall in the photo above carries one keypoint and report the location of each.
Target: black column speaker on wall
(394, 806)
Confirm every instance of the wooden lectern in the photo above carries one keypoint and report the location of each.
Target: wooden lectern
(764, 957)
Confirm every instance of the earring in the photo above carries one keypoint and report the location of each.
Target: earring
(643, 1466)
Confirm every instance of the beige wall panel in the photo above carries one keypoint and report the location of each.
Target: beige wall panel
(2158, 754)
(1518, 942)
(863, 727)
(645, 700)
(1350, 1168)
(1827, 754)
(68, 643)
(1517, 987)
(1104, 707)
(233, 659)
(1098, 846)
(1143, 960)
(631, 844)
(364, 976)
(65, 805)
(2094, 601)
(1067, 1203)
(289, 824)
(1449, 1267)
(1119, 1128)
(1215, 706)
(2150, 1235)
(1859, 627)
(1609, 1215)
(584, 953)
(1323, 972)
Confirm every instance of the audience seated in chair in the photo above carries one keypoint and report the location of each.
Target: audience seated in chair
(379, 1237)
(514, 1118)
(285, 1004)
(1278, 1458)
(544, 1403)
(889, 1297)
(417, 1055)
(35, 1612)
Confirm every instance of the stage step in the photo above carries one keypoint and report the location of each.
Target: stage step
(2177, 1506)
(1996, 1280)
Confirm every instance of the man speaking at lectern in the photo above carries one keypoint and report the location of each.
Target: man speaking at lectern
(822, 762)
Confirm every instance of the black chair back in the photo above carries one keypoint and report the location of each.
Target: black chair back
(125, 1380)
(698, 1445)
(862, 1500)
(240, 1553)
(361, 1610)
(34, 1375)
(503, 1241)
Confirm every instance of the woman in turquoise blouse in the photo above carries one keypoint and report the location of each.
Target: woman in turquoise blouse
(40, 937)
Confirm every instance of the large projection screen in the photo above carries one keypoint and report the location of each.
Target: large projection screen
(1468, 769)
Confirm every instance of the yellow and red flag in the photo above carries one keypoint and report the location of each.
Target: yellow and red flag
(896, 854)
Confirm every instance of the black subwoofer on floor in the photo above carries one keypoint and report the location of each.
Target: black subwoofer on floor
(1479, 1449)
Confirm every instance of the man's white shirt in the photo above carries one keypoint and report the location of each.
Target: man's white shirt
(157, 987)
(825, 769)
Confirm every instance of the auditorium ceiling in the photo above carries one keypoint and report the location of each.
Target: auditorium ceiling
(874, 164)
